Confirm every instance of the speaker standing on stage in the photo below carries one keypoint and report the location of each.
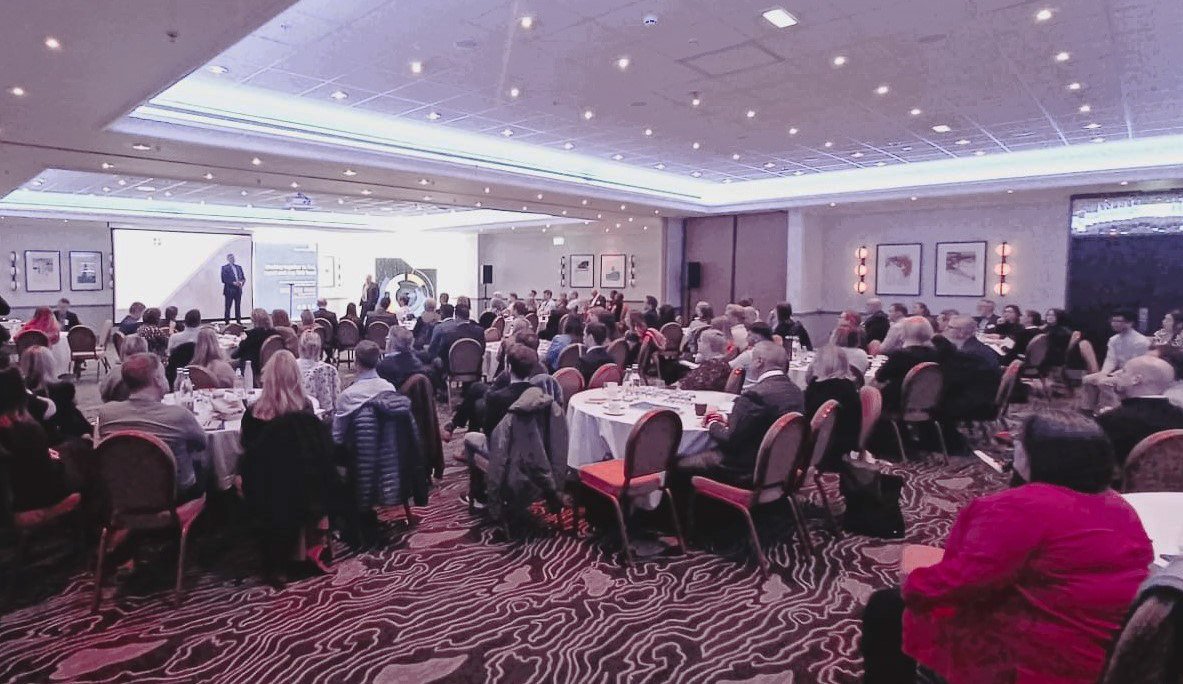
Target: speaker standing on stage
(369, 296)
(232, 281)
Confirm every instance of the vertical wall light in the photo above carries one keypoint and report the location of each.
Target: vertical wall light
(1003, 269)
(12, 269)
(563, 271)
(860, 270)
(633, 270)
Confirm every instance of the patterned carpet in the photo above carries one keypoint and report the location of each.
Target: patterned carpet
(450, 601)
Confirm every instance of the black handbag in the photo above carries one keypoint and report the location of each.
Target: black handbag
(872, 501)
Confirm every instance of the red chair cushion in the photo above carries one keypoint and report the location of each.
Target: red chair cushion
(42, 516)
(607, 477)
(737, 496)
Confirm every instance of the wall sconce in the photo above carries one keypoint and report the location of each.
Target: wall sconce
(12, 270)
(563, 271)
(1003, 268)
(633, 270)
(860, 270)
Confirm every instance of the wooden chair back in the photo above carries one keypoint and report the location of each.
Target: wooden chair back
(271, 345)
(734, 382)
(571, 380)
(569, 357)
(778, 457)
(1155, 464)
(921, 391)
(376, 332)
(82, 340)
(465, 359)
(821, 431)
(30, 338)
(618, 350)
(871, 401)
(201, 378)
(347, 334)
(652, 444)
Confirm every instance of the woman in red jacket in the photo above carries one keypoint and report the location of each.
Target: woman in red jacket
(1035, 581)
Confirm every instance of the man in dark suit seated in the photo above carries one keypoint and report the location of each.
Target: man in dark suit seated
(449, 332)
(232, 281)
(986, 318)
(594, 336)
(322, 311)
(971, 372)
(738, 437)
(1143, 410)
(916, 334)
(400, 361)
(875, 321)
(380, 314)
(66, 319)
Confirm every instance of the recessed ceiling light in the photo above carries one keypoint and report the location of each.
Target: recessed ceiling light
(695, 146)
(1075, 85)
(840, 60)
(1063, 56)
(208, 176)
(106, 189)
(294, 185)
(979, 153)
(53, 43)
(427, 198)
(340, 200)
(623, 207)
(416, 67)
(648, 131)
(906, 148)
(349, 172)
(525, 208)
(769, 165)
(1085, 109)
(1098, 139)
(751, 114)
(526, 22)
(507, 132)
(880, 163)
(588, 114)
(857, 155)
(696, 174)
(618, 157)
(828, 144)
(913, 198)
(1043, 15)
(242, 192)
(915, 111)
(793, 130)
(121, 182)
(256, 161)
(339, 95)
(833, 204)
(564, 212)
(141, 147)
(942, 128)
(798, 172)
(780, 18)
(962, 141)
(167, 193)
(599, 216)
(1124, 183)
(424, 181)
(1092, 126)
(107, 165)
(217, 69)
(695, 101)
(479, 205)
(883, 89)
(433, 115)
(622, 63)
(735, 157)
(630, 219)
(583, 202)
(367, 192)
(515, 92)
(539, 195)
(488, 190)
(1010, 192)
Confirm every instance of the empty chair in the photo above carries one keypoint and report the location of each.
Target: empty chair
(270, 346)
(778, 463)
(138, 474)
(492, 335)
(571, 381)
(649, 452)
(1033, 363)
(871, 401)
(920, 394)
(569, 357)
(376, 332)
(201, 378)
(672, 332)
(84, 346)
(1006, 389)
(821, 431)
(30, 338)
(618, 350)
(605, 375)
(117, 338)
(347, 338)
(1155, 464)
(465, 363)
(734, 382)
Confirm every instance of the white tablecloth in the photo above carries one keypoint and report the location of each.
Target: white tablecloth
(489, 363)
(799, 368)
(594, 436)
(1162, 516)
(228, 342)
(1000, 345)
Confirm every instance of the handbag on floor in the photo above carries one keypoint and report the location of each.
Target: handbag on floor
(872, 501)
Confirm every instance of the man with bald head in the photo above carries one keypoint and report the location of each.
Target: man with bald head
(1144, 409)
(737, 437)
(875, 321)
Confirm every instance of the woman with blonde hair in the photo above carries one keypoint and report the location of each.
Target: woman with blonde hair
(283, 389)
(831, 380)
(320, 380)
(37, 368)
(208, 354)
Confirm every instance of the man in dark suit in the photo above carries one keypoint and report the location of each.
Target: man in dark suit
(971, 372)
(400, 361)
(232, 281)
(1143, 410)
(66, 319)
(448, 333)
(446, 308)
(875, 322)
(322, 311)
(916, 333)
(986, 318)
(594, 336)
(738, 437)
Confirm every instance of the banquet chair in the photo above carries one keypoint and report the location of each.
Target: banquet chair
(1155, 464)
(138, 474)
(919, 396)
(649, 454)
(325, 330)
(235, 329)
(27, 524)
(821, 433)
(201, 378)
(779, 471)
(271, 345)
(376, 332)
(499, 326)
(569, 357)
(347, 338)
(1006, 390)
(84, 346)
(419, 390)
(871, 401)
(618, 350)
(605, 374)
(533, 318)
(30, 338)
(117, 338)
(672, 332)
(492, 335)
(645, 361)
(465, 362)
(571, 380)
(563, 322)
(873, 348)
(1146, 649)
(1034, 358)
(735, 382)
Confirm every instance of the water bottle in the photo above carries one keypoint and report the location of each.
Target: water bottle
(248, 377)
(185, 389)
(239, 388)
(792, 346)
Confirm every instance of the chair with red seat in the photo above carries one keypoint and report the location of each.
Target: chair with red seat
(735, 382)
(138, 473)
(604, 375)
(871, 400)
(780, 466)
(1155, 464)
(571, 380)
(821, 432)
(30, 338)
(920, 394)
(649, 453)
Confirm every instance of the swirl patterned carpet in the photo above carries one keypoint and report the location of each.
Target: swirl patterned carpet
(449, 601)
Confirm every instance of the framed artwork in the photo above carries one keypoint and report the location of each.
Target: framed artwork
(43, 271)
(583, 270)
(613, 271)
(961, 269)
(897, 269)
(86, 271)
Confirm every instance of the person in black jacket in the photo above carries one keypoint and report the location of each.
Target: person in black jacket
(875, 322)
(522, 361)
(786, 327)
(1143, 410)
(917, 349)
(1059, 336)
(35, 479)
(971, 372)
(832, 381)
(249, 348)
(400, 362)
(594, 336)
(5, 309)
(66, 319)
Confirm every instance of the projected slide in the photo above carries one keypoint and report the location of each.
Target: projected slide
(162, 268)
(285, 276)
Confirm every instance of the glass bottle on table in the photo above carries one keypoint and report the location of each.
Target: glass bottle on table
(239, 388)
(184, 389)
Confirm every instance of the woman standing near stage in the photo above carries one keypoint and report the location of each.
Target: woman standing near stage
(369, 295)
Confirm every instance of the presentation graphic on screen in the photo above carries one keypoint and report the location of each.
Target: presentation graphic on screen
(285, 276)
(184, 269)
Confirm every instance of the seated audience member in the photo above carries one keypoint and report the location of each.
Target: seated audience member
(666, 313)
(971, 373)
(169, 321)
(250, 346)
(66, 319)
(921, 309)
(875, 321)
(322, 312)
(1010, 325)
(916, 348)
(737, 439)
(759, 332)
(986, 318)
(497, 308)
(638, 333)
(281, 323)
(1144, 408)
(830, 373)
(574, 304)
(67, 422)
(154, 334)
(547, 304)
(319, 379)
(112, 388)
(849, 337)
(703, 313)
(514, 331)
(425, 324)
(894, 339)
(189, 333)
(365, 387)
(1059, 336)
(351, 314)
(143, 374)
(649, 312)
(131, 322)
(713, 370)
(618, 309)
(382, 313)
(1096, 390)
(400, 362)
(523, 361)
(446, 308)
(404, 311)
(307, 322)
(596, 354)
(572, 334)
(44, 322)
(208, 354)
(551, 329)
(35, 479)
(1035, 581)
(1171, 332)
(451, 331)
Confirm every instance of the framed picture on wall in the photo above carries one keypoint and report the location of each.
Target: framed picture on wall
(43, 271)
(961, 269)
(897, 269)
(583, 270)
(613, 271)
(86, 271)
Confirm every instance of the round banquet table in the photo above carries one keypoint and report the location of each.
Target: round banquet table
(799, 368)
(1162, 517)
(594, 436)
(489, 362)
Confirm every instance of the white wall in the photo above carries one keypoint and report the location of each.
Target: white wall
(19, 234)
(527, 259)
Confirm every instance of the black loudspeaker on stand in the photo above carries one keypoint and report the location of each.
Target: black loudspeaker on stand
(693, 275)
